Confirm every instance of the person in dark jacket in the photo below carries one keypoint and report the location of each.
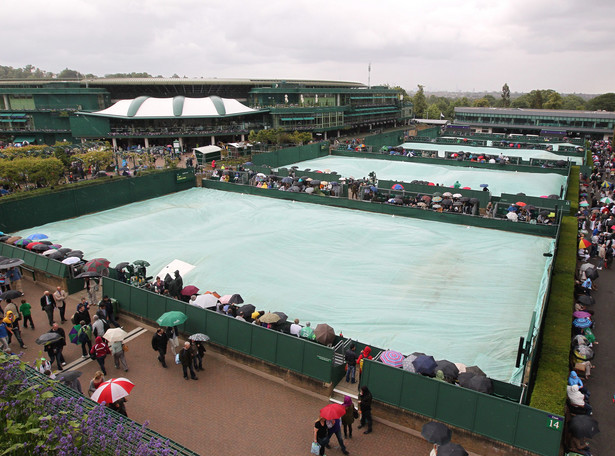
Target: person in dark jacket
(48, 304)
(82, 314)
(365, 405)
(186, 357)
(199, 352)
(159, 344)
(351, 364)
(54, 349)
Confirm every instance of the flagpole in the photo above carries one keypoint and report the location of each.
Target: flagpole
(369, 75)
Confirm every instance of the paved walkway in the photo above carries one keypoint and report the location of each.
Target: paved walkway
(230, 410)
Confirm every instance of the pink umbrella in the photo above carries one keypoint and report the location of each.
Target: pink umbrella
(581, 314)
(113, 390)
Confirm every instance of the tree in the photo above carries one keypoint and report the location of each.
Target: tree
(505, 95)
(573, 103)
(481, 103)
(420, 103)
(69, 74)
(433, 112)
(605, 102)
(554, 101)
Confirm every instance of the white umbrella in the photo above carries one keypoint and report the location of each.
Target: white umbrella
(71, 260)
(205, 300)
(115, 335)
(49, 252)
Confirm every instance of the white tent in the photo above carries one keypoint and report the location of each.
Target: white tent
(175, 265)
(207, 149)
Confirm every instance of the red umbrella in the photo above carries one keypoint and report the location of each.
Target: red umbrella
(32, 244)
(584, 243)
(190, 290)
(96, 265)
(333, 411)
(113, 390)
(520, 204)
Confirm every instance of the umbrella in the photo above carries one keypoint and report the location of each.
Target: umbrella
(65, 250)
(584, 204)
(407, 364)
(481, 384)
(83, 275)
(460, 367)
(75, 254)
(447, 202)
(581, 314)
(189, 290)
(475, 370)
(464, 379)
(584, 352)
(447, 194)
(520, 204)
(37, 237)
(425, 365)
(606, 200)
(13, 239)
(583, 426)
(435, 432)
(448, 368)
(141, 263)
(247, 309)
(68, 376)
(112, 390)
(205, 300)
(10, 263)
(121, 265)
(40, 248)
(333, 411)
(451, 449)
(115, 335)
(96, 265)
(287, 180)
(172, 318)
(48, 338)
(457, 195)
(199, 337)
(397, 187)
(231, 299)
(270, 318)
(31, 245)
(282, 315)
(484, 185)
(584, 243)
(392, 358)
(586, 300)
(437, 199)
(72, 335)
(56, 255)
(577, 322)
(324, 333)
(11, 294)
(50, 251)
(71, 260)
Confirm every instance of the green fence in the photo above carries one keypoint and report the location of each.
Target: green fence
(493, 417)
(291, 155)
(103, 194)
(383, 185)
(385, 139)
(290, 352)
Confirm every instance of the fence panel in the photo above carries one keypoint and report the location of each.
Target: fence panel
(38, 261)
(240, 335)
(290, 352)
(217, 328)
(456, 405)
(57, 268)
(385, 382)
(264, 343)
(197, 320)
(419, 394)
(539, 431)
(496, 418)
(317, 361)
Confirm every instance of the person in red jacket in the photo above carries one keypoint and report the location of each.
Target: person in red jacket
(365, 354)
(100, 350)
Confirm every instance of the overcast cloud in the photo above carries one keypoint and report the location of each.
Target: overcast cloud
(445, 45)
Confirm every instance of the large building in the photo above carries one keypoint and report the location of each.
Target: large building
(90, 109)
(544, 122)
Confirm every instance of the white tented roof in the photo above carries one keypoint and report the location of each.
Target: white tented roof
(207, 149)
(176, 107)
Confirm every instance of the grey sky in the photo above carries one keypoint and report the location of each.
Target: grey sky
(445, 45)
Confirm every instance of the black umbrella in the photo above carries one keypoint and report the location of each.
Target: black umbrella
(448, 369)
(473, 200)
(86, 274)
(45, 241)
(287, 180)
(235, 299)
(8, 263)
(583, 426)
(464, 379)
(75, 253)
(475, 370)
(122, 265)
(4, 237)
(247, 310)
(65, 250)
(464, 199)
(521, 194)
(586, 300)
(68, 376)
(451, 449)
(435, 432)
(40, 248)
(398, 201)
(48, 338)
(481, 384)
(11, 294)
(554, 197)
(425, 365)
(57, 255)
(315, 183)
(283, 317)
(446, 202)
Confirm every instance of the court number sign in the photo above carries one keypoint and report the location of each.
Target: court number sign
(555, 422)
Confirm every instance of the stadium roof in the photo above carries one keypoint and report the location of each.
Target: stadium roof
(175, 107)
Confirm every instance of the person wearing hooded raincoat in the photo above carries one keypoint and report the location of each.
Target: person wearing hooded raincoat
(12, 325)
(577, 398)
(100, 350)
(349, 417)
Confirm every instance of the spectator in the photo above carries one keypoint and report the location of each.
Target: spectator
(186, 357)
(26, 310)
(100, 350)
(365, 405)
(117, 350)
(84, 338)
(349, 417)
(295, 328)
(159, 344)
(48, 305)
(95, 382)
(55, 349)
(351, 364)
(60, 298)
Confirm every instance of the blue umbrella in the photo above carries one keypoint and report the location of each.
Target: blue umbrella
(582, 322)
(425, 365)
(37, 236)
(397, 187)
(512, 208)
(484, 185)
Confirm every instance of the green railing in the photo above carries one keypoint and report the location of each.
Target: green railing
(106, 194)
(34, 260)
(290, 352)
(283, 157)
(493, 417)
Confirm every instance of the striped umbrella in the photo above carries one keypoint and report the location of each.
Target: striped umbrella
(584, 243)
(392, 358)
(606, 200)
(112, 390)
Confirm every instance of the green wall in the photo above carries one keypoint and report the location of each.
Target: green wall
(291, 155)
(103, 194)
